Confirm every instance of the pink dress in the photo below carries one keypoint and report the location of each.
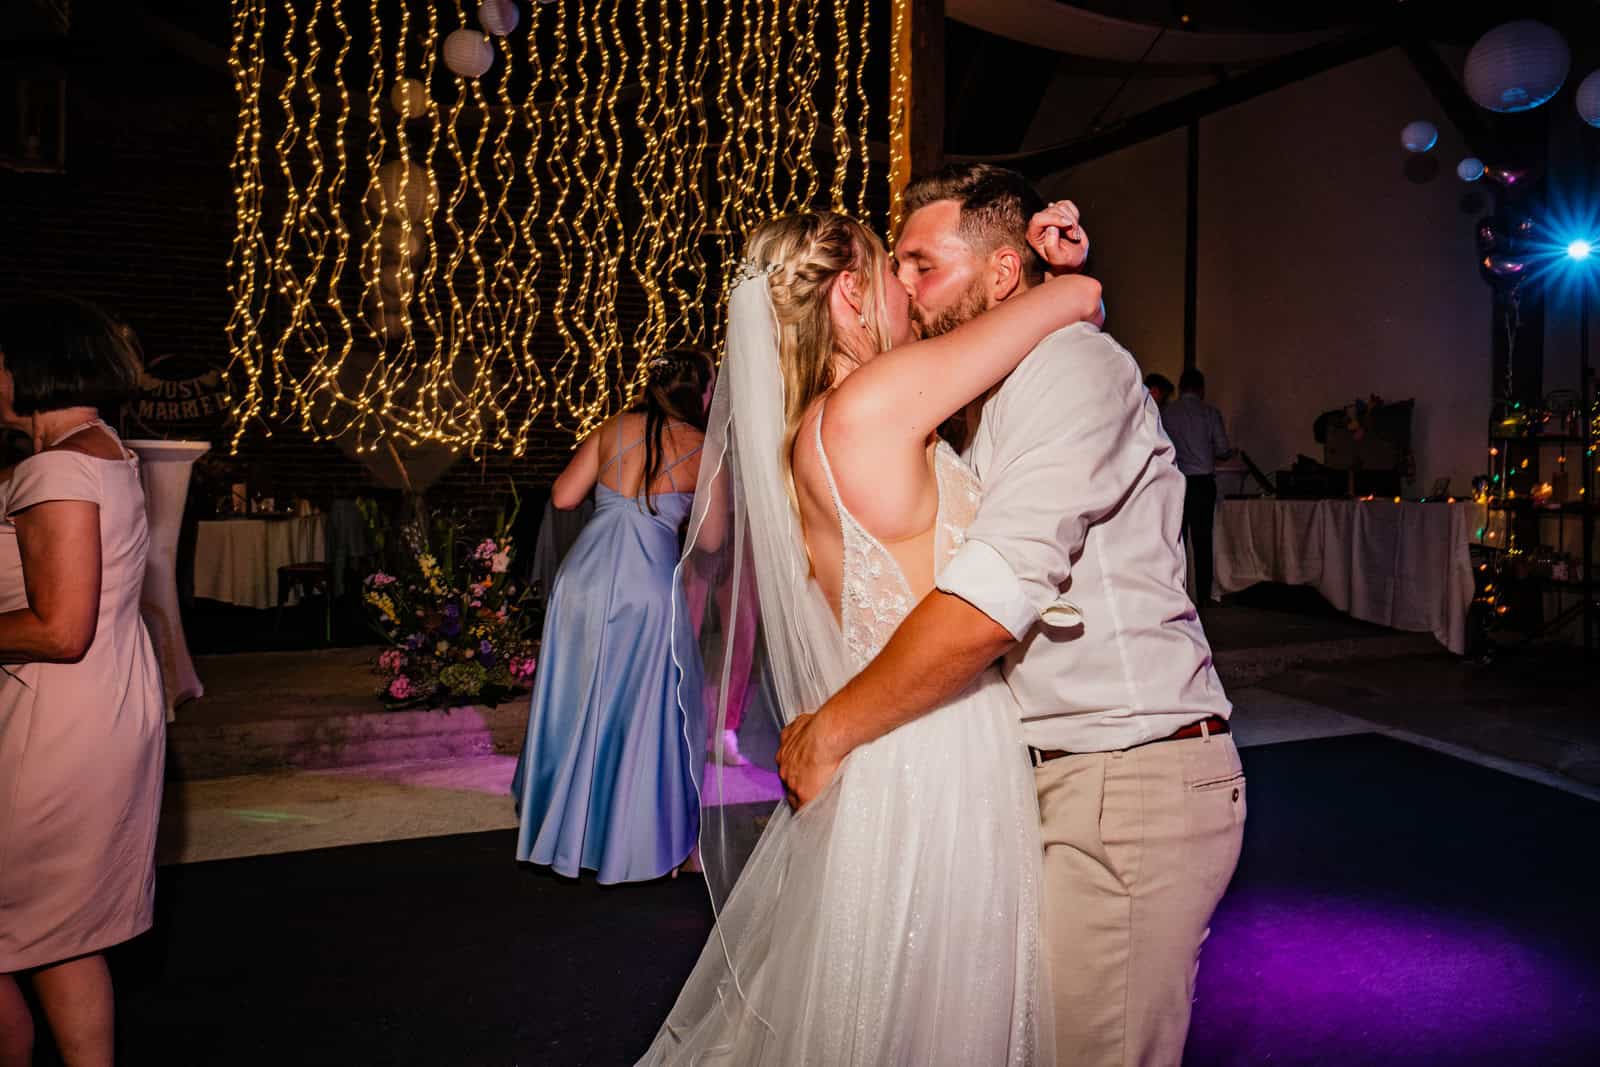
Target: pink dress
(82, 745)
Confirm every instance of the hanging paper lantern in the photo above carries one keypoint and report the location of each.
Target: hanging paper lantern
(409, 99)
(404, 190)
(1517, 66)
(498, 17)
(468, 53)
(1470, 169)
(1589, 99)
(1419, 136)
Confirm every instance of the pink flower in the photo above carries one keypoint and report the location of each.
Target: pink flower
(500, 562)
(393, 661)
(401, 688)
(523, 669)
(379, 580)
(485, 550)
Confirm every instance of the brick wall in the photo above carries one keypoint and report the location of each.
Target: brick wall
(142, 223)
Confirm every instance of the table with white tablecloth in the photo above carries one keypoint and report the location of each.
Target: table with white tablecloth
(237, 560)
(1405, 565)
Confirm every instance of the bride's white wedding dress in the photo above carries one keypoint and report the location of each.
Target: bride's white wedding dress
(894, 920)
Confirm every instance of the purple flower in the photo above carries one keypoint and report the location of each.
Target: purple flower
(415, 641)
(452, 611)
(486, 653)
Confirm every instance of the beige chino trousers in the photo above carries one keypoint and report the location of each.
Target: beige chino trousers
(1138, 848)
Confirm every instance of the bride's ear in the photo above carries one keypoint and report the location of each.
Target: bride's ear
(846, 297)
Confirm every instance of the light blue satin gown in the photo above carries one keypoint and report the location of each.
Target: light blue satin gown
(608, 779)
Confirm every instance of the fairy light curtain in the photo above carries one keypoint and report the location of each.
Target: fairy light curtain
(425, 256)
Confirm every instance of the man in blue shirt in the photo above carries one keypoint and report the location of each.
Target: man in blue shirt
(1200, 441)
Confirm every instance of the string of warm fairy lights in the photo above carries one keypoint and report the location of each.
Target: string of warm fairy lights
(423, 256)
(899, 113)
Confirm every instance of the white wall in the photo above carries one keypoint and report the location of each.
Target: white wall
(1133, 211)
(1327, 275)
(1324, 273)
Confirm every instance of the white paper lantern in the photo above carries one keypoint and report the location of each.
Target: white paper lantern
(1419, 136)
(1470, 169)
(468, 53)
(385, 198)
(498, 17)
(1589, 99)
(409, 99)
(394, 236)
(1517, 66)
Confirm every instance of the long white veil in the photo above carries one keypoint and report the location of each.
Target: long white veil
(894, 919)
(770, 646)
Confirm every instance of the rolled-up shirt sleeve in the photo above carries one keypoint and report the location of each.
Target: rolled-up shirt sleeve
(1067, 444)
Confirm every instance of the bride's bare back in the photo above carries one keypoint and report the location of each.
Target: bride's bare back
(895, 502)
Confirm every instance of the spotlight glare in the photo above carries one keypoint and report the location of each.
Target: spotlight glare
(1580, 249)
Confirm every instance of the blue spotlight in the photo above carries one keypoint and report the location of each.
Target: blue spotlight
(1580, 249)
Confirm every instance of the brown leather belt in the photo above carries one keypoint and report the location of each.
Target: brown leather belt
(1211, 724)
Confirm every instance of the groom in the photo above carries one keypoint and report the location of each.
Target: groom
(1074, 573)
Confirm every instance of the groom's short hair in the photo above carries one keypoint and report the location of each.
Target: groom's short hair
(996, 205)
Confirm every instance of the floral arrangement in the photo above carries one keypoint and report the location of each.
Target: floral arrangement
(452, 616)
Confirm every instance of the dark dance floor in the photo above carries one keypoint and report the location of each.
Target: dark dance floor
(1393, 906)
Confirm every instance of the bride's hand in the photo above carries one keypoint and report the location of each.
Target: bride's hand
(1057, 234)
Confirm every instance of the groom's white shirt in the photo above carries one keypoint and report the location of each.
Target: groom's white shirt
(1076, 551)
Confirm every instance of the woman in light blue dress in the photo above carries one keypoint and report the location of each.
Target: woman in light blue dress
(609, 773)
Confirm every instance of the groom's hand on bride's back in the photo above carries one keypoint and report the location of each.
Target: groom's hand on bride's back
(807, 760)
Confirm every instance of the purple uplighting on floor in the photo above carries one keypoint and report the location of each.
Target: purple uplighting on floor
(1397, 906)
(1342, 980)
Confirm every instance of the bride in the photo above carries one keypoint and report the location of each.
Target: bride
(894, 919)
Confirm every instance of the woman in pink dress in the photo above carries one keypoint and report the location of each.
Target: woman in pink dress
(82, 723)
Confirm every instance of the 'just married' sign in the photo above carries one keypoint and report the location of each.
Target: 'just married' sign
(175, 391)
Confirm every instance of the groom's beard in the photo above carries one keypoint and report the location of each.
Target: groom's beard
(967, 307)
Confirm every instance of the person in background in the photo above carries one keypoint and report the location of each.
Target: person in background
(82, 715)
(606, 781)
(1200, 441)
(1161, 388)
(734, 620)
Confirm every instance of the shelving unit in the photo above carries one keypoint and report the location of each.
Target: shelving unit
(1528, 521)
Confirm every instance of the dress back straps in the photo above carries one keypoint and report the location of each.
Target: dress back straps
(672, 479)
(827, 468)
(667, 470)
(621, 451)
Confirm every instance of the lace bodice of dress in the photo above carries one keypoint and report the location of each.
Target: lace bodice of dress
(875, 594)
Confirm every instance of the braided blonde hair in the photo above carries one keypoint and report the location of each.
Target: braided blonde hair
(804, 254)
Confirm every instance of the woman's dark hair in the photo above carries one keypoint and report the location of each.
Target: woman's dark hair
(63, 353)
(675, 387)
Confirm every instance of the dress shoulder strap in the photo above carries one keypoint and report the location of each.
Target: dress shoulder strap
(827, 468)
(620, 452)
